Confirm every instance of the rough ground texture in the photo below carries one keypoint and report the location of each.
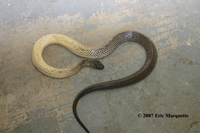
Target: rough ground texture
(32, 102)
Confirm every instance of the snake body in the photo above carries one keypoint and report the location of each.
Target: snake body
(73, 46)
(95, 53)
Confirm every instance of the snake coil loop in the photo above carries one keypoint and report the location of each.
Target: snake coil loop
(95, 53)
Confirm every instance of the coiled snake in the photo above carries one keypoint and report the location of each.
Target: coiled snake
(95, 53)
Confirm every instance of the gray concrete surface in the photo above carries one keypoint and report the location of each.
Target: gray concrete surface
(31, 102)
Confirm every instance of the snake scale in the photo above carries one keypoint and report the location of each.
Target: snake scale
(91, 54)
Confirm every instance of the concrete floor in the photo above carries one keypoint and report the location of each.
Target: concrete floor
(31, 102)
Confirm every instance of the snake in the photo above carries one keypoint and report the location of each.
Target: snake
(91, 55)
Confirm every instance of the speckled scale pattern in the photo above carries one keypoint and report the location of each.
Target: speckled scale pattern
(144, 71)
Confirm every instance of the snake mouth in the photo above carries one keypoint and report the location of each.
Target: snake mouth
(98, 65)
(93, 64)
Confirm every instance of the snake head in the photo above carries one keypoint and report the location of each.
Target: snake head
(93, 64)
